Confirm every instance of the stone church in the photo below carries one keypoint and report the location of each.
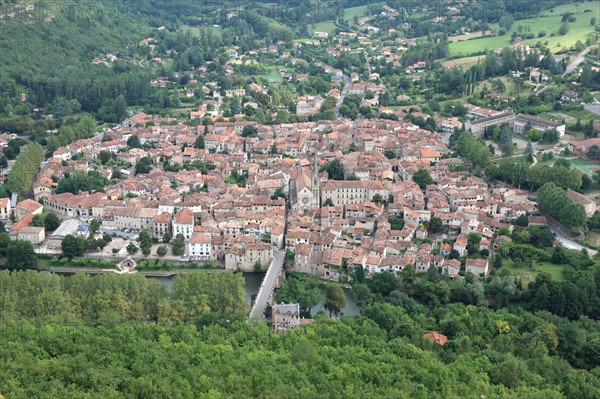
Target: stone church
(305, 188)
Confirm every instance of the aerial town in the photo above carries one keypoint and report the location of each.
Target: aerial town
(376, 187)
(383, 152)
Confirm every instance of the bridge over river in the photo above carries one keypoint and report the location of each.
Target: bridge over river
(265, 293)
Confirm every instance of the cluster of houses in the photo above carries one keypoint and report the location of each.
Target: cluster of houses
(334, 226)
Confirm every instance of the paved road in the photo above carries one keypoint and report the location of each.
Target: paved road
(343, 94)
(268, 284)
(580, 58)
(566, 241)
(593, 108)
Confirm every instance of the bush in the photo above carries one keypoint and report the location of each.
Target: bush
(161, 251)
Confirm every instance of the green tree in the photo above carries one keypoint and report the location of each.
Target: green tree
(4, 242)
(161, 251)
(178, 245)
(563, 30)
(145, 240)
(105, 156)
(249, 131)
(334, 169)
(131, 248)
(328, 202)
(257, 266)
(200, 142)
(529, 152)
(134, 142)
(573, 215)
(436, 225)
(72, 246)
(335, 300)
(20, 178)
(422, 178)
(37, 221)
(20, 255)
(51, 222)
(143, 166)
(94, 226)
(505, 141)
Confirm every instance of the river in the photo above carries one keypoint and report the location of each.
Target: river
(252, 285)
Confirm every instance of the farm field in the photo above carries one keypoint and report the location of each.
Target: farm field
(463, 62)
(578, 30)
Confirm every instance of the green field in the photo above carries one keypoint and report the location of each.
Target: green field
(326, 26)
(272, 76)
(578, 30)
(195, 30)
(464, 62)
(350, 13)
(527, 275)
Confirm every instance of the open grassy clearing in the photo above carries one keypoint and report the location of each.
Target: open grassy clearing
(464, 62)
(578, 30)
(325, 26)
(468, 36)
(527, 274)
(195, 30)
(350, 13)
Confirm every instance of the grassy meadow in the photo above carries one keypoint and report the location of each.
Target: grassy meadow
(548, 21)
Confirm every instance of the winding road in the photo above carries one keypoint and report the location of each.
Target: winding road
(567, 241)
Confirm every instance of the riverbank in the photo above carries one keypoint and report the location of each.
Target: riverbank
(166, 273)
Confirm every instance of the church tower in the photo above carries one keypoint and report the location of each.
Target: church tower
(316, 184)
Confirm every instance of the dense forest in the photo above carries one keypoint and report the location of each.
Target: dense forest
(125, 337)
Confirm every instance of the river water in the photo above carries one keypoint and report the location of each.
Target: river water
(252, 285)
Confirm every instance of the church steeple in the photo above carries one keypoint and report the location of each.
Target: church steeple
(316, 184)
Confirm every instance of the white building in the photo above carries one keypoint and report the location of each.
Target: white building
(199, 246)
(183, 223)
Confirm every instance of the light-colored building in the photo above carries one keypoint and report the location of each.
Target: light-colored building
(69, 226)
(34, 235)
(478, 126)
(345, 192)
(521, 121)
(588, 204)
(477, 266)
(199, 246)
(4, 209)
(244, 256)
(26, 207)
(183, 223)
(131, 218)
(162, 225)
(285, 317)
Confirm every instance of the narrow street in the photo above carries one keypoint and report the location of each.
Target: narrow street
(343, 94)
